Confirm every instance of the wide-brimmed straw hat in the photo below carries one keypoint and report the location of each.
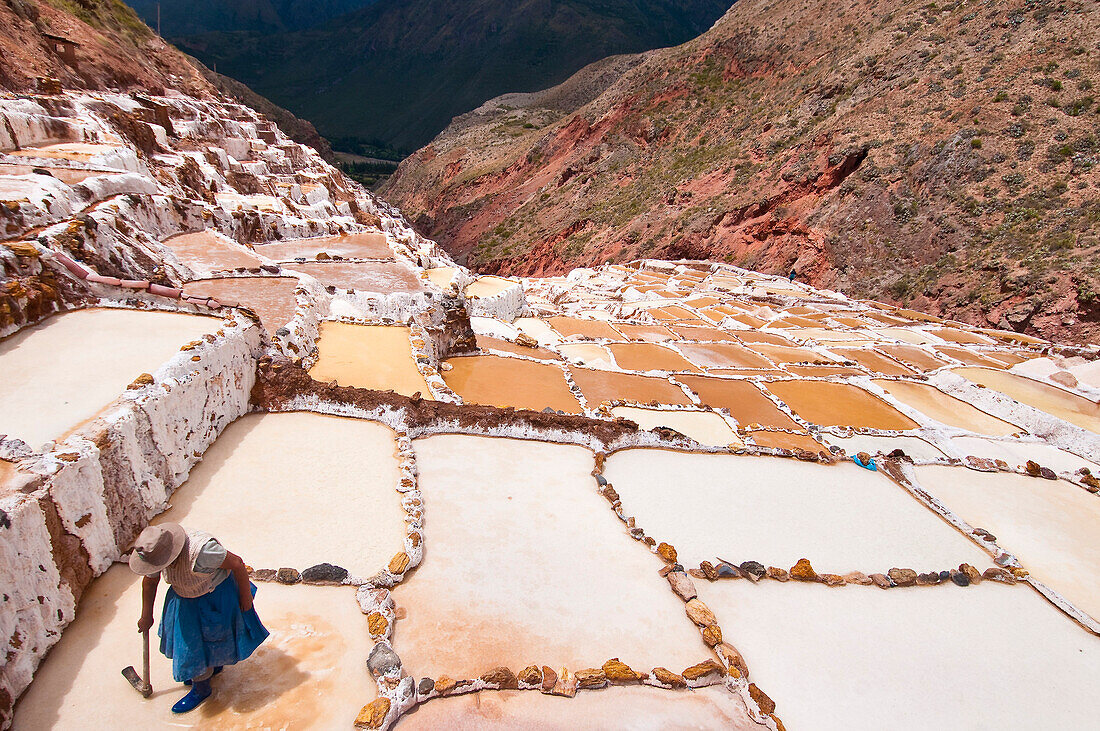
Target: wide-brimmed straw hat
(156, 547)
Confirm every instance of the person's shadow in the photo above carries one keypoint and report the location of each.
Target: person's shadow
(258, 682)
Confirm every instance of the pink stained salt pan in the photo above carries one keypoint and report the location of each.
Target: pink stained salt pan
(368, 245)
(208, 252)
(385, 277)
(526, 563)
(271, 298)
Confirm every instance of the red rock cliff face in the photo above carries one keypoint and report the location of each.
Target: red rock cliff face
(939, 156)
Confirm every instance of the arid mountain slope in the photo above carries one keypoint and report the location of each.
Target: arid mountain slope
(940, 156)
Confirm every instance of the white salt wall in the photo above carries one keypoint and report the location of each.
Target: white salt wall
(104, 483)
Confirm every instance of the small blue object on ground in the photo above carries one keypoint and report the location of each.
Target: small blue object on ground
(869, 466)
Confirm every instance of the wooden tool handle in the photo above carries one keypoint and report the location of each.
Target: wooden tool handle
(145, 660)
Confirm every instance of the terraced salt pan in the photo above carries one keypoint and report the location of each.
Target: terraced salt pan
(368, 356)
(489, 286)
(823, 371)
(1049, 525)
(526, 563)
(722, 355)
(985, 657)
(782, 354)
(692, 332)
(68, 176)
(588, 354)
(385, 277)
(602, 386)
(441, 276)
(839, 404)
(633, 707)
(271, 298)
(644, 333)
(492, 380)
(368, 245)
(916, 357)
(784, 440)
(946, 409)
(1017, 454)
(915, 447)
(322, 488)
(969, 357)
(874, 361)
(1054, 401)
(207, 252)
(309, 673)
(538, 329)
(63, 371)
(572, 326)
(488, 342)
(743, 400)
(775, 511)
(913, 337)
(705, 427)
(648, 357)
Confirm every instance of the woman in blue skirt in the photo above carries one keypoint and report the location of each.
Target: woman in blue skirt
(208, 620)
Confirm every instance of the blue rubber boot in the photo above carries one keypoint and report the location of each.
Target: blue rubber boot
(200, 691)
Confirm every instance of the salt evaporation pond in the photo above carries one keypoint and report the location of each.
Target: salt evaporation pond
(722, 355)
(1049, 525)
(776, 511)
(589, 354)
(368, 245)
(491, 380)
(488, 342)
(705, 427)
(1017, 454)
(525, 563)
(208, 252)
(915, 447)
(384, 277)
(592, 329)
(1051, 399)
(743, 400)
(378, 357)
(271, 298)
(604, 386)
(874, 361)
(634, 707)
(986, 657)
(309, 673)
(649, 357)
(489, 286)
(946, 409)
(323, 486)
(644, 333)
(839, 404)
(63, 371)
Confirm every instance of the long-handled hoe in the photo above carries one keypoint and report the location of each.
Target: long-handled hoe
(140, 685)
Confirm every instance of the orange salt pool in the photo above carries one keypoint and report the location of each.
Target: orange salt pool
(755, 336)
(671, 312)
(823, 371)
(489, 286)
(745, 402)
(722, 355)
(644, 333)
(648, 357)
(946, 409)
(210, 252)
(783, 354)
(493, 380)
(386, 277)
(839, 404)
(442, 276)
(787, 322)
(919, 359)
(271, 298)
(68, 176)
(1070, 407)
(368, 245)
(602, 386)
(690, 332)
(913, 337)
(377, 357)
(491, 343)
(954, 335)
(873, 361)
(969, 358)
(570, 326)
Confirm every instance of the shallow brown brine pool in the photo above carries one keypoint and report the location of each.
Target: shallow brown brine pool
(602, 386)
(488, 342)
(946, 409)
(743, 400)
(648, 357)
(1070, 407)
(208, 252)
(494, 380)
(368, 356)
(874, 361)
(644, 333)
(572, 326)
(386, 277)
(368, 245)
(722, 355)
(839, 404)
(271, 298)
